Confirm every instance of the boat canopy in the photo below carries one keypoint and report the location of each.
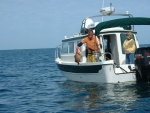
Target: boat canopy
(122, 22)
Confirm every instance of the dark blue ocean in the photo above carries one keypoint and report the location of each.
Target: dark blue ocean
(30, 82)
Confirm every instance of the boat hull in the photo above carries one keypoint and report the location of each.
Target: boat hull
(94, 73)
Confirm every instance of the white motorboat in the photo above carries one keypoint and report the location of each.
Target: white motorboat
(111, 67)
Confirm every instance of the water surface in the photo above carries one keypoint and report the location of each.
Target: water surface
(30, 82)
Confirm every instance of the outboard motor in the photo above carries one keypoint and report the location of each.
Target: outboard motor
(142, 64)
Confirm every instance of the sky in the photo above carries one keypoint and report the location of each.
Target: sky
(34, 24)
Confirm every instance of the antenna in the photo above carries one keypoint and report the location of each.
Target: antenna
(110, 6)
(102, 7)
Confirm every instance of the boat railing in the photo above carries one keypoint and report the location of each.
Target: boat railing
(104, 56)
(128, 15)
(83, 29)
(57, 51)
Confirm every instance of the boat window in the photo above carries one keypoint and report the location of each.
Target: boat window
(65, 48)
(107, 46)
(107, 43)
(123, 38)
(71, 47)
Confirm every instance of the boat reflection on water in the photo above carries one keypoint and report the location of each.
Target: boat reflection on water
(104, 97)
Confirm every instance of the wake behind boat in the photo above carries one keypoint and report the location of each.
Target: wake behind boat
(111, 66)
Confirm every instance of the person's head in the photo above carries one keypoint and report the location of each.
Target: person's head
(129, 35)
(90, 34)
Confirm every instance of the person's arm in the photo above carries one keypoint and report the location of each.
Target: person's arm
(100, 46)
(78, 47)
(133, 46)
(98, 43)
(124, 45)
(79, 44)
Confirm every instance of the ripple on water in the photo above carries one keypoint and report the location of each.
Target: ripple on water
(31, 82)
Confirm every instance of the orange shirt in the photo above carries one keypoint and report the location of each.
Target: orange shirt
(93, 43)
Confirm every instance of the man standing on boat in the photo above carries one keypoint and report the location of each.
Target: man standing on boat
(92, 45)
(129, 48)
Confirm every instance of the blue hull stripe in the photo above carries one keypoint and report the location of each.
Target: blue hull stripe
(80, 69)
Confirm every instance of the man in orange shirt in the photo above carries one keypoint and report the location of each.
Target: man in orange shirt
(92, 45)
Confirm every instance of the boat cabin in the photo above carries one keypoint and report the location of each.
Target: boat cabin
(111, 39)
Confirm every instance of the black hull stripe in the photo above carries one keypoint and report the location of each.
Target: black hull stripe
(79, 68)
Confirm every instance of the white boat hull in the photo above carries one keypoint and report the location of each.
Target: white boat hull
(105, 74)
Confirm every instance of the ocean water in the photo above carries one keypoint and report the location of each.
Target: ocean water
(30, 82)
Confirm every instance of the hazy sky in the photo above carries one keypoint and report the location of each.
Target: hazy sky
(27, 24)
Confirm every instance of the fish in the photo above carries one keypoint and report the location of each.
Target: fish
(77, 57)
